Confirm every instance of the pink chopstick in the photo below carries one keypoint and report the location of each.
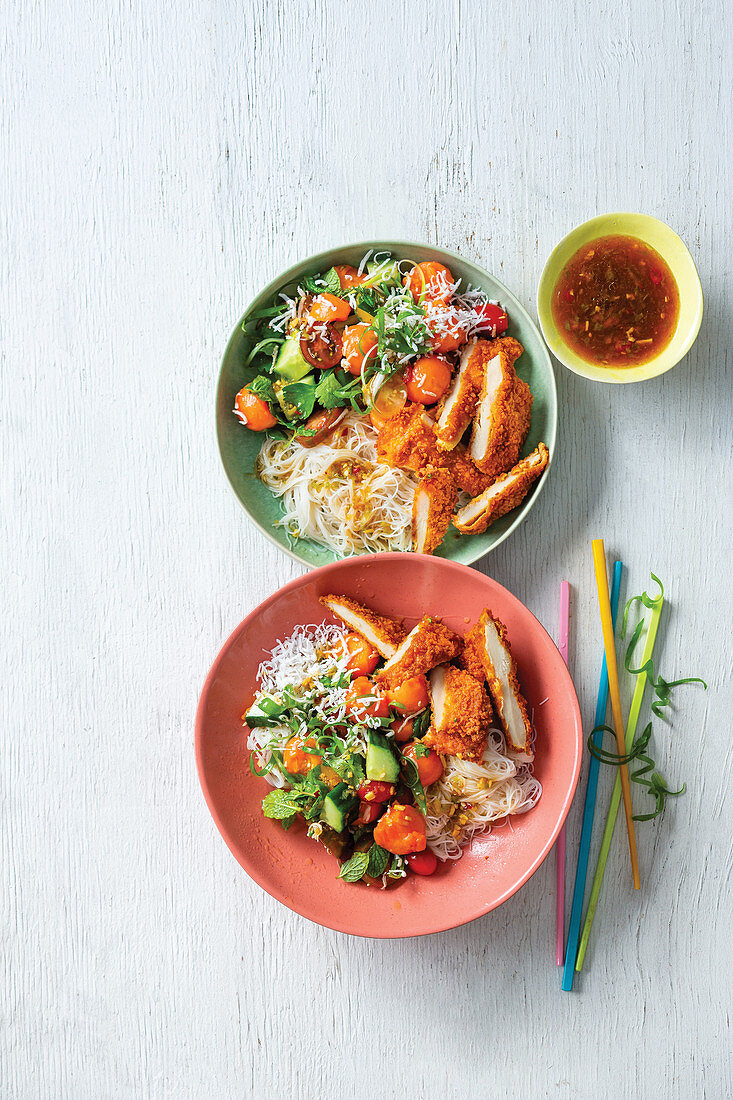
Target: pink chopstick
(560, 845)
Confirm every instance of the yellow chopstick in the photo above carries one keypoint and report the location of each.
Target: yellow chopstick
(604, 601)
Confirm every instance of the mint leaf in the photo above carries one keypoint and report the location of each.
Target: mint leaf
(378, 860)
(312, 284)
(332, 281)
(354, 868)
(279, 805)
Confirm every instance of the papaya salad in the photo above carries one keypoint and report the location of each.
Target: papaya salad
(390, 407)
(393, 748)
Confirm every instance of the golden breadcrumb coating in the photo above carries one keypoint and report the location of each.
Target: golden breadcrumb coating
(471, 659)
(506, 493)
(503, 412)
(432, 508)
(407, 440)
(489, 640)
(381, 632)
(430, 643)
(463, 713)
(455, 411)
(467, 476)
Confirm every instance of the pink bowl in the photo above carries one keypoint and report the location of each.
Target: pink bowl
(295, 869)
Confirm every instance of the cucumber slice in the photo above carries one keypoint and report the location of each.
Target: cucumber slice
(338, 806)
(381, 763)
(386, 271)
(290, 364)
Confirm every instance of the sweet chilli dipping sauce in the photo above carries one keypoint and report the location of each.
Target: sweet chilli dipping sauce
(616, 302)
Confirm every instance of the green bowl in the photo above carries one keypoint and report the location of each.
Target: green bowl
(239, 447)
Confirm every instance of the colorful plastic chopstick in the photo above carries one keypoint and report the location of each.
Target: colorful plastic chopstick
(560, 845)
(604, 603)
(636, 702)
(589, 806)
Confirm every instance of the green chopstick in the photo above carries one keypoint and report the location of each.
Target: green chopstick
(641, 682)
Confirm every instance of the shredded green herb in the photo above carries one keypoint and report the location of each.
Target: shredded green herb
(420, 724)
(411, 776)
(334, 391)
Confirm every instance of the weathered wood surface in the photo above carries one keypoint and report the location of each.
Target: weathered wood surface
(159, 164)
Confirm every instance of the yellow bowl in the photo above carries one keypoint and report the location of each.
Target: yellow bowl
(671, 248)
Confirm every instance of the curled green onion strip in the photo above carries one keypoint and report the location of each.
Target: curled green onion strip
(662, 687)
(656, 785)
(255, 770)
(648, 601)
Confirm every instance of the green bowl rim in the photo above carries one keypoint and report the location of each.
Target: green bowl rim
(544, 295)
(375, 246)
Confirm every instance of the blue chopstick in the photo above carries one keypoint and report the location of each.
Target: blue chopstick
(589, 808)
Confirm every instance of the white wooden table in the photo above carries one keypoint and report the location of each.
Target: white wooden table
(159, 164)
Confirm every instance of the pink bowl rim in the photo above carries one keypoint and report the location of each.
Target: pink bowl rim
(451, 567)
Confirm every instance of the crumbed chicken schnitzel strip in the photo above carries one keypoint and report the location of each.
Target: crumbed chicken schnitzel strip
(407, 440)
(503, 412)
(432, 507)
(465, 474)
(461, 714)
(430, 643)
(506, 493)
(489, 641)
(471, 658)
(384, 634)
(456, 410)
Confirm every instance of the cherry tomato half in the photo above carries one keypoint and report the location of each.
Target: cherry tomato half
(369, 812)
(402, 729)
(374, 790)
(427, 379)
(364, 697)
(430, 280)
(296, 759)
(326, 308)
(362, 658)
(390, 398)
(323, 424)
(411, 695)
(253, 411)
(359, 346)
(348, 275)
(493, 319)
(429, 764)
(422, 863)
(401, 830)
(321, 346)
